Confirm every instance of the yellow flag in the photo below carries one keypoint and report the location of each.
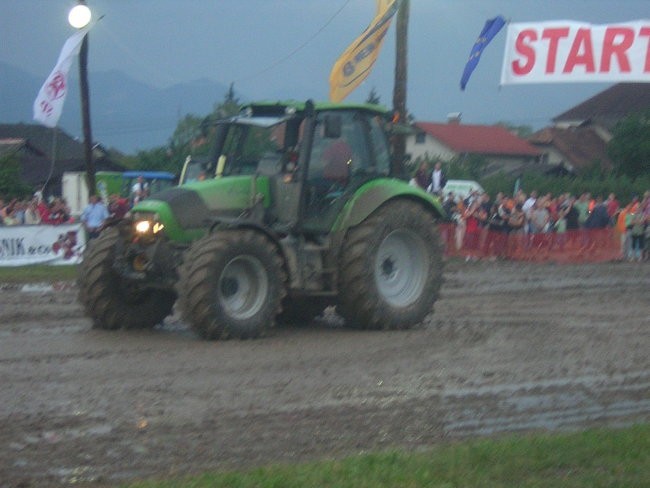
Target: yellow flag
(354, 65)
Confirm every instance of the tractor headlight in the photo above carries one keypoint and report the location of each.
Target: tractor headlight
(147, 224)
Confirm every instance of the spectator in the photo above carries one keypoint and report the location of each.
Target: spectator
(438, 180)
(529, 202)
(538, 220)
(11, 217)
(422, 177)
(612, 206)
(94, 216)
(638, 225)
(582, 206)
(139, 190)
(118, 207)
(32, 216)
(472, 230)
(58, 213)
(599, 216)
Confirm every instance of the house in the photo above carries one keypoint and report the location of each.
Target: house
(607, 108)
(578, 139)
(44, 154)
(572, 150)
(502, 150)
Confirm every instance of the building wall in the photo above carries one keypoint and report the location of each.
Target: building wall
(429, 149)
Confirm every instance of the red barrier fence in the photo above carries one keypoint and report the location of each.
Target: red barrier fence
(584, 245)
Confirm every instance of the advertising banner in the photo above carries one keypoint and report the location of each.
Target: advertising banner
(21, 245)
(354, 65)
(569, 51)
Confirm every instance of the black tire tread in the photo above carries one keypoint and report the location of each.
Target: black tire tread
(196, 284)
(359, 302)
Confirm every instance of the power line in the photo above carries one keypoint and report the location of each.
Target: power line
(296, 50)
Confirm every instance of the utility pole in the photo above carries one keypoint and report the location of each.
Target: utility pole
(399, 89)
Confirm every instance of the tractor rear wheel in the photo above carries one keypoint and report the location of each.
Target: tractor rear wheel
(391, 268)
(112, 302)
(231, 285)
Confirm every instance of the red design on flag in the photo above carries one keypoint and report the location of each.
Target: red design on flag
(56, 87)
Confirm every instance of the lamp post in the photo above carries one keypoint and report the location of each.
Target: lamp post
(79, 17)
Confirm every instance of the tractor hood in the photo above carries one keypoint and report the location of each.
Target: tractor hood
(193, 206)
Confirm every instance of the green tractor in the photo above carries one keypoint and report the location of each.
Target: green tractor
(295, 210)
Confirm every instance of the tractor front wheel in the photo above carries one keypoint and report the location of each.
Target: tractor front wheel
(111, 301)
(231, 285)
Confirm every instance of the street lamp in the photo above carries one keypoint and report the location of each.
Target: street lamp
(79, 17)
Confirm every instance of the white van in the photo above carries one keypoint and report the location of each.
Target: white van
(461, 188)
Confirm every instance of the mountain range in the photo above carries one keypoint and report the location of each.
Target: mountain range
(126, 115)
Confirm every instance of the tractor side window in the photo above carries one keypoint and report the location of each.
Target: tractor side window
(380, 145)
(335, 158)
(245, 146)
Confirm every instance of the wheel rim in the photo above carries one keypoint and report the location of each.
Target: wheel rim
(401, 268)
(243, 287)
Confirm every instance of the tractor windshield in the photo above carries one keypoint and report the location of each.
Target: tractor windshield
(258, 144)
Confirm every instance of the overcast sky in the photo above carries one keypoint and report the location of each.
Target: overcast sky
(286, 48)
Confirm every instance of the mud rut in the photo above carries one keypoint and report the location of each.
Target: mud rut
(511, 347)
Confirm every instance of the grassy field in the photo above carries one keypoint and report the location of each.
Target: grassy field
(591, 459)
(37, 274)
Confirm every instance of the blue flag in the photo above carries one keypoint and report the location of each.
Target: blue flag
(490, 29)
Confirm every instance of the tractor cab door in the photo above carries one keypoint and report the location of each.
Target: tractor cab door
(348, 149)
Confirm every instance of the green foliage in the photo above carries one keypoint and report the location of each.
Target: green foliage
(630, 145)
(596, 183)
(373, 97)
(596, 458)
(193, 136)
(11, 185)
(466, 167)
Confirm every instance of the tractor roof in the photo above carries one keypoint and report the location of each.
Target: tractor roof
(284, 107)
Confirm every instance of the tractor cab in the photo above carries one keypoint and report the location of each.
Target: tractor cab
(310, 160)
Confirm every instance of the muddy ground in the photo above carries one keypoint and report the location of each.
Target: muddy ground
(511, 347)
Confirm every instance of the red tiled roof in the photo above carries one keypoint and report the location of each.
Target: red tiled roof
(478, 139)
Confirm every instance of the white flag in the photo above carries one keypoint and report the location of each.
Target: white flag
(49, 102)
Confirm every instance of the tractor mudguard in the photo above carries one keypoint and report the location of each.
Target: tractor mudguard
(372, 195)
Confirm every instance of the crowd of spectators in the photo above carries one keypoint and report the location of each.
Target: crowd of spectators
(483, 226)
(34, 211)
(488, 227)
(52, 211)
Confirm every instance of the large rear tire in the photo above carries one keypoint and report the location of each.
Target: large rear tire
(391, 268)
(231, 285)
(112, 302)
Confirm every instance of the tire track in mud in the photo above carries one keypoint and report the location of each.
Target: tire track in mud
(510, 348)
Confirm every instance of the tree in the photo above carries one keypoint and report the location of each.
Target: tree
(629, 147)
(193, 136)
(11, 185)
(373, 97)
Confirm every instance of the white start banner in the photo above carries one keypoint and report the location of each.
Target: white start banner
(21, 245)
(568, 51)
